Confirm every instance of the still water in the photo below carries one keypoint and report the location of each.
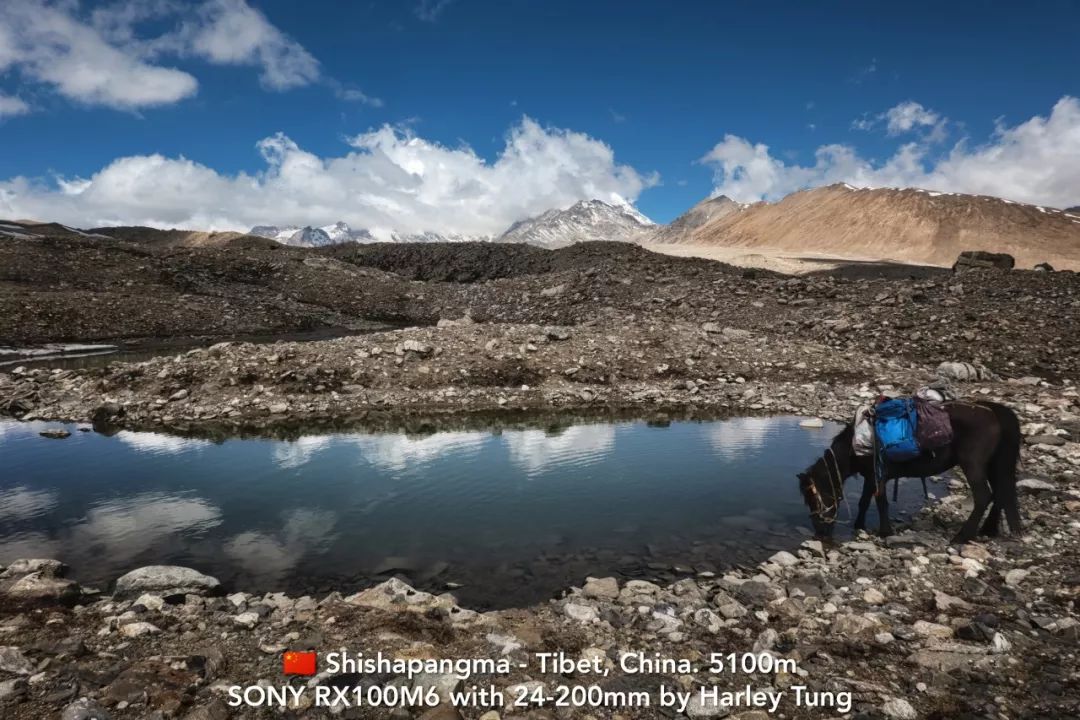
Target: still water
(510, 515)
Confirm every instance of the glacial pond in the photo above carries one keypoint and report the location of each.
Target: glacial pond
(504, 517)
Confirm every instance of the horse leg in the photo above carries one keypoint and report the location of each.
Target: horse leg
(925, 492)
(864, 503)
(975, 472)
(884, 524)
(895, 489)
(993, 520)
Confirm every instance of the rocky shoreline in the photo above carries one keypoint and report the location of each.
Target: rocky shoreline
(907, 625)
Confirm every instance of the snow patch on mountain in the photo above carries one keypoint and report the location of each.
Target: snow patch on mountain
(584, 221)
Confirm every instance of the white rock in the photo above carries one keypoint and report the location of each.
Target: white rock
(1035, 484)
(899, 709)
(873, 596)
(784, 559)
(1016, 576)
(165, 580)
(932, 630)
(248, 619)
(580, 612)
(138, 629)
(150, 601)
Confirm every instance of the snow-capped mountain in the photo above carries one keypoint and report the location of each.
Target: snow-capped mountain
(586, 220)
(340, 232)
(309, 236)
(581, 222)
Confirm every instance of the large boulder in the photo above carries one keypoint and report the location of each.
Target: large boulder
(963, 372)
(38, 579)
(983, 259)
(166, 580)
(25, 566)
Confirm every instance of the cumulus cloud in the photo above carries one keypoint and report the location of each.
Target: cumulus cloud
(390, 179)
(903, 118)
(907, 116)
(50, 45)
(1036, 161)
(231, 32)
(101, 58)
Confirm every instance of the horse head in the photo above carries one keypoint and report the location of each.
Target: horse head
(822, 484)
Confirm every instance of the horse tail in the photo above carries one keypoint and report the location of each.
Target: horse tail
(1003, 463)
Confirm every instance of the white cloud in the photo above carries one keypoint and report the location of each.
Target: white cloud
(22, 503)
(230, 32)
(536, 450)
(101, 58)
(50, 45)
(390, 179)
(903, 118)
(159, 443)
(399, 452)
(909, 115)
(1036, 161)
(354, 95)
(299, 452)
(271, 557)
(11, 106)
(741, 436)
(118, 531)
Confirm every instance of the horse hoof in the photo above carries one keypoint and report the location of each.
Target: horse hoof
(885, 532)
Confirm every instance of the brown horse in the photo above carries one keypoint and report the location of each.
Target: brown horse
(986, 446)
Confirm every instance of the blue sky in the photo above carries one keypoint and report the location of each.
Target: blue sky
(661, 84)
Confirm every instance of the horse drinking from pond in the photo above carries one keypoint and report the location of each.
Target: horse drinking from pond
(985, 444)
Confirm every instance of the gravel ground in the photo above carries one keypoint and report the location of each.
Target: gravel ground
(909, 626)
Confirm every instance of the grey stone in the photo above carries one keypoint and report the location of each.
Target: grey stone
(12, 660)
(166, 580)
(84, 709)
(601, 588)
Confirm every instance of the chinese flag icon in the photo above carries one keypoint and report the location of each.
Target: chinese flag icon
(298, 663)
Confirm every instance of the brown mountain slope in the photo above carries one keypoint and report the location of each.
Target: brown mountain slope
(682, 228)
(902, 225)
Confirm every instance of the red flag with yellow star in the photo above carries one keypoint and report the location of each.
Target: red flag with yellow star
(298, 663)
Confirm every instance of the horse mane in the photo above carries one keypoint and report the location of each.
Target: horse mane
(840, 440)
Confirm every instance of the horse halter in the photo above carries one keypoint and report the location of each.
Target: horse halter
(837, 483)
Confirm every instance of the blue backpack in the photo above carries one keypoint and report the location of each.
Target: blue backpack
(895, 422)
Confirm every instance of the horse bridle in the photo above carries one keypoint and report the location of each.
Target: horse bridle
(837, 483)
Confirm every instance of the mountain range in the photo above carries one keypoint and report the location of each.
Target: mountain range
(906, 225)
(839, 221)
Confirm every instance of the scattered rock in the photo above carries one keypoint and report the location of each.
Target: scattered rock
(166, 580)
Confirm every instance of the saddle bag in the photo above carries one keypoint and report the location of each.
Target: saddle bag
(934, 427)
(895, 423)
(862, 439)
